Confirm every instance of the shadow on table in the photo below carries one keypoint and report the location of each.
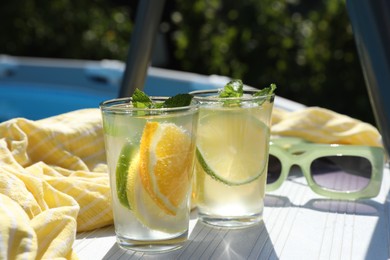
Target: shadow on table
(206, 242)
(378, 247)
(361, 207)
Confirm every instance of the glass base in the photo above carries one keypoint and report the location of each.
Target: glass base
(231, 222)
(152, 246)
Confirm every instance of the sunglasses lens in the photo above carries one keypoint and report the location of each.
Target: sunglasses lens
(342, 173)
(274, 169)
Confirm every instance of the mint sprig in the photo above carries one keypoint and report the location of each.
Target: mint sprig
(235, 88)
(180, 100)
(141, 100)
(266, 91)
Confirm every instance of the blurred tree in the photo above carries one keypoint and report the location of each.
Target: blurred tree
(65, 29)
(306, 47)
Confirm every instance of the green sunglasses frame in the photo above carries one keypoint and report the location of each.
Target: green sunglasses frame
(295, 151)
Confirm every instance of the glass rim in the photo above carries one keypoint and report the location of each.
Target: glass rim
(197, 94)
(109, 105)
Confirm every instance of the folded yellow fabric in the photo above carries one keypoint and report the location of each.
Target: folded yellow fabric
(53, 183)
(322, 125)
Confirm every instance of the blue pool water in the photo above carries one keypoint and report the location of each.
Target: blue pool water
(36, 88)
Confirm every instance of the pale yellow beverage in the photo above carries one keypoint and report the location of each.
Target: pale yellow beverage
(231, 159)
(150, 156)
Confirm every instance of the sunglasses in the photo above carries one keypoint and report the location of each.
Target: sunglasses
(347, 172)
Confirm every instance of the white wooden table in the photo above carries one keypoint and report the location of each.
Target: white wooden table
(298, 224)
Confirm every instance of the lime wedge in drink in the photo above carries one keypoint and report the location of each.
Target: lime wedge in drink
(127, 153)
(232, 147)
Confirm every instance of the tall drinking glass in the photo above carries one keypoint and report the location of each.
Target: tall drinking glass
(150, 156)
(232, 157)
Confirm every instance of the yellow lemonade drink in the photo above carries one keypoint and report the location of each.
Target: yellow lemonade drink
(232, 158)
(150, 156)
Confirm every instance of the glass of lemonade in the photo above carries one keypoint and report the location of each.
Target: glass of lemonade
(150, 156)
(232, 157)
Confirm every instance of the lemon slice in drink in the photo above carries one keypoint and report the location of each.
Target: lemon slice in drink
(158, 177)
(144, 207)
(232, 147)
(166, 163)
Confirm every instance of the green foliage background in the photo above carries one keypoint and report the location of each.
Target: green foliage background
(306, 47)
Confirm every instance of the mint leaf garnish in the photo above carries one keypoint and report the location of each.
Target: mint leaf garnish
(234, 88)
(141, 100)
(180, 100)
(266, 91)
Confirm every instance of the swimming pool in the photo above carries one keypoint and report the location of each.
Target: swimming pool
(36, 88)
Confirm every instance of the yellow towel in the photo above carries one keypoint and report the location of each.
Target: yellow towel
(54, 181)
(321, 125)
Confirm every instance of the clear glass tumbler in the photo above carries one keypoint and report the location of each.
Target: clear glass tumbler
(232, 157)
(150, 156)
